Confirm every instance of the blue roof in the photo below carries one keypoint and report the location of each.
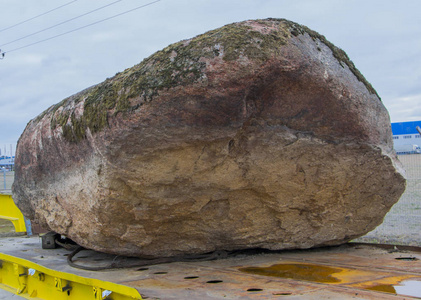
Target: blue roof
(405, 127)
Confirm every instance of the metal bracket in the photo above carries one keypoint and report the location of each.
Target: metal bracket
(31, 280)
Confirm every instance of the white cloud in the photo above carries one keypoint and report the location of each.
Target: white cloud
(383, 38)
(31, 60)
(403, 109)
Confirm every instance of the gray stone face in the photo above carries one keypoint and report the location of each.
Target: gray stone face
(256, 134)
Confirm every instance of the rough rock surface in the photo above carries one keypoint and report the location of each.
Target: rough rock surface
(257, 134)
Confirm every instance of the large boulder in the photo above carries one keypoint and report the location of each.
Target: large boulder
(257, 134)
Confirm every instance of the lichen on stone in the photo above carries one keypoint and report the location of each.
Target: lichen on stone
(181, 64)
(176, 65)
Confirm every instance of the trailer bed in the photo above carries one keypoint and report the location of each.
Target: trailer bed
(351, 271)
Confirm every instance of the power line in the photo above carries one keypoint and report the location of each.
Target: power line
(47, 12)
(82, 27)
(61, 23)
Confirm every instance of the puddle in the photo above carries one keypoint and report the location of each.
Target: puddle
(400, 285)
(307, 272)
(386, 288)
(407, 288)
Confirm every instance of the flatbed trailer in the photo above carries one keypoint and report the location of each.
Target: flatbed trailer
(350, 271)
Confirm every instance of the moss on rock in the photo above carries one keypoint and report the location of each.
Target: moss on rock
(181, 64)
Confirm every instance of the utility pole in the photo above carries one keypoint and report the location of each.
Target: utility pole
(4, 176)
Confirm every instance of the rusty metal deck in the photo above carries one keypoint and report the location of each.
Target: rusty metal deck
(351, 271)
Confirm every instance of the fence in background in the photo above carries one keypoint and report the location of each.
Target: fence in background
(402, 225)
(6, 181)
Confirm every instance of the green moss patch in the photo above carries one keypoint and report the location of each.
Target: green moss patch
(177, 65)
(180, 64)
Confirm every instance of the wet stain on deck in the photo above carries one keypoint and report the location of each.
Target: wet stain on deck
(306, 272)
(405, 288)
(380, 281)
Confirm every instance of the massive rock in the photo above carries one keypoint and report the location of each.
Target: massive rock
(257, 134)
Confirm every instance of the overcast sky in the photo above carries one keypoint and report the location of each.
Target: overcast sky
(382, 38)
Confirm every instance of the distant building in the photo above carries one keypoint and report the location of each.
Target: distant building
(7, 162)
(406, 138)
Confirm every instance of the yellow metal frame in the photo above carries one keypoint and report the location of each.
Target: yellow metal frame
(32, 281)
(9, 211)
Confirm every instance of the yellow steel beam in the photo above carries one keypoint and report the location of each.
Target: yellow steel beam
(32, 281)
(9, 211)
